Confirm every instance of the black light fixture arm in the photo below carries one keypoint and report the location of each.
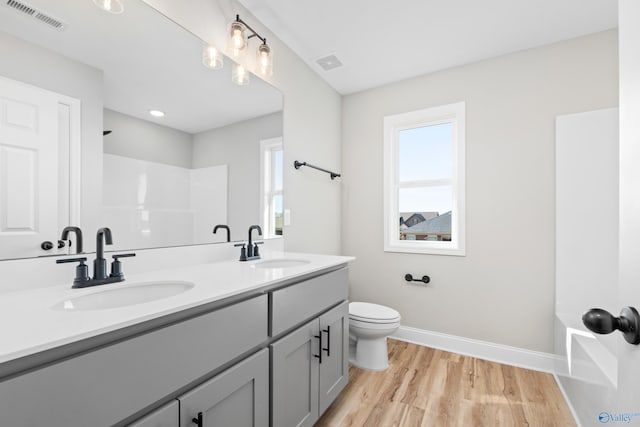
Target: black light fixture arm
(297, 164)
(253, 32)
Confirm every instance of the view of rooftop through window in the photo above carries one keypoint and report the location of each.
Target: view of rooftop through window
(425, 171)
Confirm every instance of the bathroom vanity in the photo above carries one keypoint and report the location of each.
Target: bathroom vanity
(248, 344)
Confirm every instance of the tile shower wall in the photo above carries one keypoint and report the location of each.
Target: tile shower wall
(148, 204)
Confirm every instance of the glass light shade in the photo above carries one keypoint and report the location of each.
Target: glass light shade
(264, 60)
(111, 6)
(212, 58)
(238, 40)
(240, 75)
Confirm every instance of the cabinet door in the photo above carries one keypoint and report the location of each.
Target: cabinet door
(238, 397)
(334, 369)
(294, 377)
(166, 416)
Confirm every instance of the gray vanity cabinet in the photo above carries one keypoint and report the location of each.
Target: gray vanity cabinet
(334, 369)
(309, 369)
(237, 397)
(294, 380)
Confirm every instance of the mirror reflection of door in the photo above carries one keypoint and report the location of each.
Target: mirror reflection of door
(36, 128)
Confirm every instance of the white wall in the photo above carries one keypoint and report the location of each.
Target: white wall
(144, 140)
(238, 147)
(23, 61)
(312, 119)
(503, 290)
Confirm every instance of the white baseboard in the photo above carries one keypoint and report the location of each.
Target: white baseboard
(520, 357)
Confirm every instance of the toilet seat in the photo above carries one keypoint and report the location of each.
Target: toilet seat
(372, 313)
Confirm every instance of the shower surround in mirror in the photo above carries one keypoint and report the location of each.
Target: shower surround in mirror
(106, 63)
(168, 206)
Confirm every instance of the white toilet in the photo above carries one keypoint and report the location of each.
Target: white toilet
(369, 327)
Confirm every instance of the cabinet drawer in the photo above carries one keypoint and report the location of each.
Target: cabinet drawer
(103, 387)
(293, 305)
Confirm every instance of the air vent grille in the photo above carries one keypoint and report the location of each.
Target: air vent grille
(34, 13)
(329, 62)
(49, 21)
(21, 7)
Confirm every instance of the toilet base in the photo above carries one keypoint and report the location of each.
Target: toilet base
(369, 353)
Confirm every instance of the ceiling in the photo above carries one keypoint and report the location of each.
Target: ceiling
(380, 42)
(157, 68)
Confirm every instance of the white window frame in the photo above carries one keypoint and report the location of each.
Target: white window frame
(267, 185)
(451, 113)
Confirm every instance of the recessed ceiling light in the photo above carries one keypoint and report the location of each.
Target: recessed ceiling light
(156, 113)
(111, 6)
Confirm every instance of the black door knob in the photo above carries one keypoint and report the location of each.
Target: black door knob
(47, 245)
(602, 322)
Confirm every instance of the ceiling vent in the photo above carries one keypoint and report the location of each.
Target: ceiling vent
(329, 62)
(34, 13)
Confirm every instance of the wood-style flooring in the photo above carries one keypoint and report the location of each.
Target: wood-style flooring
(427, 387)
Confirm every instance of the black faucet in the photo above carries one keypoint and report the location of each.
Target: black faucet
(226, 227)
(250, 252)
(77, 232)
(103, 236)
(100, 277)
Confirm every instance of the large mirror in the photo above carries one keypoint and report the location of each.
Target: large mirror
(78, 144)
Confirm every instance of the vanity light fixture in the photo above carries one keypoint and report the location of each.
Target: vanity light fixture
(157, 113)
(111, 6)
(212, 57)
(237, 46)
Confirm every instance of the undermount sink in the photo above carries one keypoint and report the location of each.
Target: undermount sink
(281, 263)
(124, 295)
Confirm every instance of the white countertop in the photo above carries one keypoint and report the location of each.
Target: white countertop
(30, 325)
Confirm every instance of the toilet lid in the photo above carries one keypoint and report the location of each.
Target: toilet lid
(371, 312)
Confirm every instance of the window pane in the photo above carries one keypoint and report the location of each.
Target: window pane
(425, 213)
(426, 152)
(277, 169)
(278, 214)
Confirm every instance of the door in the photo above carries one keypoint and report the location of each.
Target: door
(238, 397)
(611, 396)
(627, 397)
(34, 203)
(334, 368)
(294, 377)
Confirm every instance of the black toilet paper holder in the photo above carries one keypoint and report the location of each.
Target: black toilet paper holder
(424, 279)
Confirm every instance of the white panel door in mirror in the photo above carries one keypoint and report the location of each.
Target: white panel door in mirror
(28, 169)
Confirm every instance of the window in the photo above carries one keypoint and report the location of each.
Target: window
(424, 181)
(271, 161)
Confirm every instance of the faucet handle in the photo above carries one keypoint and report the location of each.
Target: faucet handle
(82, 271)
(243, 250)
(256, 252)
(116, 265)
(117, 256)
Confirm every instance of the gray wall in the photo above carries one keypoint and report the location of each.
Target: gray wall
(503, 290)
(312, 119)
(24, 62)
(144, 140)
(238, 146)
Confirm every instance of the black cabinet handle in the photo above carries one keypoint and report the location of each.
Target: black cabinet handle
(198, 420)
(328, 348)
(602, 322)
(319, 355)
(46, 246)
